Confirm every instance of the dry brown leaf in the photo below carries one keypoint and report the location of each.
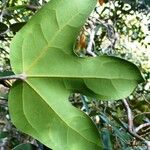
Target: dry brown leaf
(82, 42)
(101, 2)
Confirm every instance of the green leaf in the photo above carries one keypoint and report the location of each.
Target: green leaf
(17, 26)
(42, 51)
(34, 2)
(25, 147)
(3, 134)
(147, 2)
(3, 27)
(106, 139)
(124, 137)
(6, 73)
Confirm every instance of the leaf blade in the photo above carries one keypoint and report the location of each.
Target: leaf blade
(59, 114)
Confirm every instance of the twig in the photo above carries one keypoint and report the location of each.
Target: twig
(4, 3)
(84, 100)
(142, 126)
(30, 7)
(3, 102)
(90, 44)
(130, 116)
(112, 35)
(146, 100)
(145, 133)
(91, 23)
(131, 128)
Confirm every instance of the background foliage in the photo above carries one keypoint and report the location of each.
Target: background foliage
(123, 30)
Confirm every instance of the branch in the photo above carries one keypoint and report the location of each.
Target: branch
(3, 102)
(130, 116)
(91, 24)
(142, 126)
(145, 132)
(84, 101)
(90, 44)
(30, 7)
(131, 125)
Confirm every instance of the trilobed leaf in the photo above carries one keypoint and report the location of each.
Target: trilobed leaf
(43, 52)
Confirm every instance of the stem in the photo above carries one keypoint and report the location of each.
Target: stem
(92, 26)
(30, 7)
(89, 48)
(131, 128)
(142, 126)
(130, 116)
(84, 100)
(3, 102)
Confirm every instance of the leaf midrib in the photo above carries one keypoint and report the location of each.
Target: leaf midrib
(44, 50)
(77, 77)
